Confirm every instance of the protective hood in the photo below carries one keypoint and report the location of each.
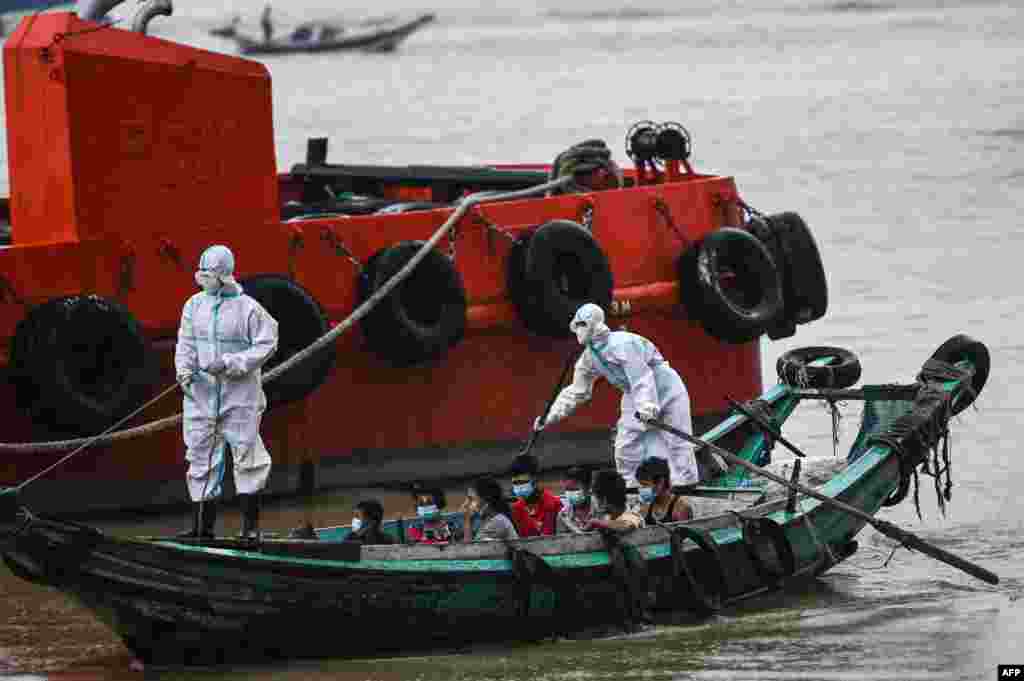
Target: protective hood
(219, 261)
(588, 324)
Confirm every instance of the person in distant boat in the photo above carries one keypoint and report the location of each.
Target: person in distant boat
(649, 386)
(536, 508)
(577, 510)
(659, 503)
(366, 524)
(487, 500)
(609, 494)
(430, 502)
(224, 339)
(266, 24)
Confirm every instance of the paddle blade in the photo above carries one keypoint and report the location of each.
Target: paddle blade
(917, 544)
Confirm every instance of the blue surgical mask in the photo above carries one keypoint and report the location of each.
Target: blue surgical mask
(357, 524)
(523, 490)
(427, 511)
(646, 494)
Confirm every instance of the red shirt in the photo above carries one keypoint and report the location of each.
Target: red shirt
(539, 519)
(441, 534)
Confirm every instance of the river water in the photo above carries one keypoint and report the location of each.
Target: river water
(895, 127)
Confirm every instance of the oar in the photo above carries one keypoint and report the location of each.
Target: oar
(772, 430)
(554, 396)
(888, 529)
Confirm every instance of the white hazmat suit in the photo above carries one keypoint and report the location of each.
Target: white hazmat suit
(649, 385)
(224, 339)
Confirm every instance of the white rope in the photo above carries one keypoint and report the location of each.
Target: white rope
(329, 337)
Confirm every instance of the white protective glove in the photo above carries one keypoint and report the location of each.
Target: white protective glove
(216, 367)
(539, 424)
(647, 411)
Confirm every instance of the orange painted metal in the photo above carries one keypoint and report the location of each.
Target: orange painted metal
(130, 154)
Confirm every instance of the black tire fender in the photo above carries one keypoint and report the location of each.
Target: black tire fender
(768, 548)
(703, 590)
(552, 272)
(424, 316)
(805, 288)
(783, 326)
(80, 363)
(301, 320)
(794, 368)
(730, 284)
(960, 348)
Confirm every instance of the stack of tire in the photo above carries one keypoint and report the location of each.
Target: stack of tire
(764, 279)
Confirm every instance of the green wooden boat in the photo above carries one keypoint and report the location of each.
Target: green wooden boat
(176, 602)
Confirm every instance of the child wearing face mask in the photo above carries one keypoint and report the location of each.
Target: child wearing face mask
(430, 502)
(536, 508)
(366, 522)
(577, 511)
(658, 503)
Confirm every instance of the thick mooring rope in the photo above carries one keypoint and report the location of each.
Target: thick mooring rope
(163, 424)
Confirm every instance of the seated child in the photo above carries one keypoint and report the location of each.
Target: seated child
(430, 502)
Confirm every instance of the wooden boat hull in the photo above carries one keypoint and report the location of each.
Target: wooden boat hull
(175, 602)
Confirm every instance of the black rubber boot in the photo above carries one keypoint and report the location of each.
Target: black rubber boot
(194, 532)
(208, 519)
(250, 516)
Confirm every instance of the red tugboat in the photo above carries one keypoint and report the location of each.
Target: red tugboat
(128, 155)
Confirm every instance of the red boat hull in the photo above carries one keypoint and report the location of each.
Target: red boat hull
(123, 208)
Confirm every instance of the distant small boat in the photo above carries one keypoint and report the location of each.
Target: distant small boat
(322, 36)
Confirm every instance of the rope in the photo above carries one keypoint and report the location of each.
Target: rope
(662, 208)
(93, 439)
(582, 158)
(833, 407)
(108, 437)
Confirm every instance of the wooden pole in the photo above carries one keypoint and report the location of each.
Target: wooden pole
(909, 540)
(554, 395)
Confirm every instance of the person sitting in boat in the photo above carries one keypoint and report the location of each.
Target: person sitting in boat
(536, 508)
(434, 529)
(366, 524)
(649, 386)
(576, 510)
(266, 24)
(224, 339)
(487, 500)
(660, 505)
(609, 495)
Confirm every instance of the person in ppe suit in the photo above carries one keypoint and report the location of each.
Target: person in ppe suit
(649, 386)
(224, 339)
